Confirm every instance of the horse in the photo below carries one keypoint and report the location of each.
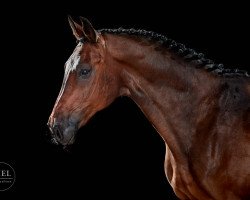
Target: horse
(200, 109)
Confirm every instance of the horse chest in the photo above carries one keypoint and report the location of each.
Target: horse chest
(181, 179)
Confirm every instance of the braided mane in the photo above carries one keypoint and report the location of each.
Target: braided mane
(186, 53)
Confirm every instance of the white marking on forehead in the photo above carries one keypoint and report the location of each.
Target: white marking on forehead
(73, 62)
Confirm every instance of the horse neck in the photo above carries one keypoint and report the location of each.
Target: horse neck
(168, 90)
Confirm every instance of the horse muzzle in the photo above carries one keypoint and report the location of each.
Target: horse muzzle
(63, 131)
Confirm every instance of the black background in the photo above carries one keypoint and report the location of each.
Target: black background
(117, 154)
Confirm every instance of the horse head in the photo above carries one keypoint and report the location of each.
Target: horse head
(89, 84)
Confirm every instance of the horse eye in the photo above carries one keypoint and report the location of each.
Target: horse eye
(85, 72)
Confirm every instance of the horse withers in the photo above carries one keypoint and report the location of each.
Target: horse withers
(200, 109)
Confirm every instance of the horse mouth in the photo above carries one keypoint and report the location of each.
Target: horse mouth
(63, 137)
(66, 142)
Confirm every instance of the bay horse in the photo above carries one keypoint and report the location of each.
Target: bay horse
(200, 109)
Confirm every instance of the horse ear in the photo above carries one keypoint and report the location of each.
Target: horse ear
(89, 31)
(76, 28)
